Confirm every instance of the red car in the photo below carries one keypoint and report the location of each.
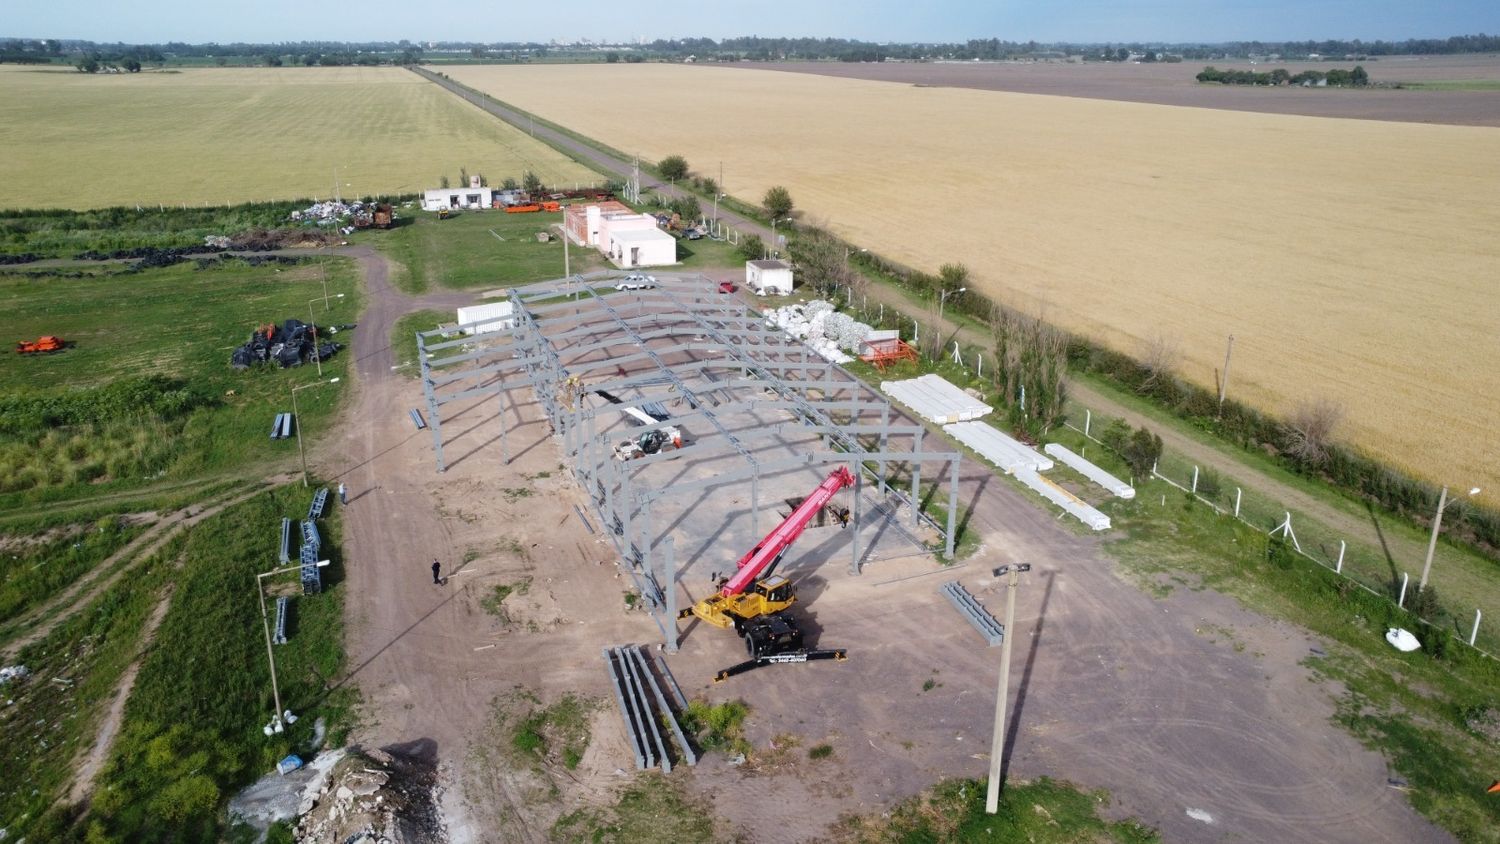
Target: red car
(727, 287)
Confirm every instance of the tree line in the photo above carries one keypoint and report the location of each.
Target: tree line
(1357, 77)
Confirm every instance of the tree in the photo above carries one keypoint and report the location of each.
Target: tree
(818, 258)
(509, 184)
(272, 61)
(710, 185)
(612, 57)
(463, 177)
(777, 202)
(672, 168)
(1031, 362)
(751, 248)
(132, 66)
(443, 182)
(1159, 358)
(1122, 55)
(952, 276)
(311, 59)
(88, 64)
(1359, 77)
(1142, 451)
(531, 182)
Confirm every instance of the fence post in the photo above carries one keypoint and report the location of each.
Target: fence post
(1473, 634)
(979, 364)
(1401, 601)
(1088, 416)
(1338, 567)
(1195, 480)
(1237, 492)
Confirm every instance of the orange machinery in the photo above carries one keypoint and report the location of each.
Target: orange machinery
(41, 344)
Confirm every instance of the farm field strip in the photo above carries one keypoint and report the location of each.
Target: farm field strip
(1352, 260)
(222, 136)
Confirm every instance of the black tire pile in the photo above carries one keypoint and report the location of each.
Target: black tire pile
(290, 344)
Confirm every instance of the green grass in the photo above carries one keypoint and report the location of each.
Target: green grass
(246, 134)
(494, 602)
(650, 808)
(465, 252)
(31, 573)
(403, 337)
(65, 233)
(554, 734)
(1045, 811)
(178, 322)
(717, 726)
(192, 730)
(55, 714)
(1408, 706)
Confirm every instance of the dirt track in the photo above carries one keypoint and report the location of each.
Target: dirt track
(1176, 704)
(1173, 84)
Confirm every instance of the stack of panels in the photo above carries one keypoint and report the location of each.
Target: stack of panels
(1072, 504)
(935, 399)
(1010, 454)
(1082, 466)
(312, 543)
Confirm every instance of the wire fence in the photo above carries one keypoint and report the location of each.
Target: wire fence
(1367, 565)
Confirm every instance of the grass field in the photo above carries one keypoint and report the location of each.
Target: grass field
(480, 250)
(1351, 259)
(216, 136)
(180, 323)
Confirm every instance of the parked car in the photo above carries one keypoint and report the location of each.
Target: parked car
(636, 281)
(727, 287)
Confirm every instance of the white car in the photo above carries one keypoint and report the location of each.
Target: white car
(636, 281)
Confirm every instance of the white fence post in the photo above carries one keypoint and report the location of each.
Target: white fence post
(1473, 634)
(979, 364)
(1237, 492)
(1338, 568)
(1088, 416)
(1195, 480)
(1401, 601)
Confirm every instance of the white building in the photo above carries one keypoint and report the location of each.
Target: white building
(459, 198)
(641, 247)
(769, 278)
(496, 316)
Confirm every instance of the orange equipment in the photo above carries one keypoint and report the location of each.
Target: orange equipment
(529, 209)
(41, 344)
(1495, 789)
(884, 353)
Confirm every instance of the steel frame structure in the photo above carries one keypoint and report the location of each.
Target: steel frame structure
(572, 336)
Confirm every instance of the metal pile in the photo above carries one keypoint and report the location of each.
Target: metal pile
(292, 343)
(650, 718)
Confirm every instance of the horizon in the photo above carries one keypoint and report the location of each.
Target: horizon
(879, 22)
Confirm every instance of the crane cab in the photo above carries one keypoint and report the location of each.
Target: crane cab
(775, 590)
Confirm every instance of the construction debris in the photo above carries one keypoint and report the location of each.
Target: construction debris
(646, 710)
(292, 343)
(13, 672)
(974, 612)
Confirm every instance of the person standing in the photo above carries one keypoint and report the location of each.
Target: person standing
(343, 494)
(437, 568)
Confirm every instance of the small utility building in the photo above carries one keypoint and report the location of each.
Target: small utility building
(628, 239)
(769, 278)
(459, 198)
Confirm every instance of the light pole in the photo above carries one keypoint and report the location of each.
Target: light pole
(317, 356)
(1437, 525)
(260, 592)
(942, 298)
(297, 423)
(771, 249)
(997, 745)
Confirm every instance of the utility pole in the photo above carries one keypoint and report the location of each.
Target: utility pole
(265, 621)
(1224, 382)
(297, 422)
(997, 745)
(1437, 525)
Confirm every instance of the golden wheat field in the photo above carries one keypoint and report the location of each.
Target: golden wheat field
(1356, 260)
(72, 140)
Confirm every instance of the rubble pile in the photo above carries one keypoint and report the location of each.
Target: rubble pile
(372, 798)
(827, 332)
(292, 343)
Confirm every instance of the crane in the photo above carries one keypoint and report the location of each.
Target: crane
(753, 599)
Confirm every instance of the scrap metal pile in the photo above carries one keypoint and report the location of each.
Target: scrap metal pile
(292, 343)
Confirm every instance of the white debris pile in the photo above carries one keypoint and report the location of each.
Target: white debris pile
(218, 241)
(13, 672)
(326, 213)
(828, 333)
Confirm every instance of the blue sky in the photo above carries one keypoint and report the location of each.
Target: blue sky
(873, 20)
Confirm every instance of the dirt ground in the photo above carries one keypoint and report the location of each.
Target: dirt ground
(1173, 84)
(1185, 703)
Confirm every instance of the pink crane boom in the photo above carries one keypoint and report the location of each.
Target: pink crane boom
(768, 553)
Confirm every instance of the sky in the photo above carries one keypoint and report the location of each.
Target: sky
(615, 21)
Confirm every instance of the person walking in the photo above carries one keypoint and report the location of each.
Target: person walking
(343, 494)
(437, 568)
